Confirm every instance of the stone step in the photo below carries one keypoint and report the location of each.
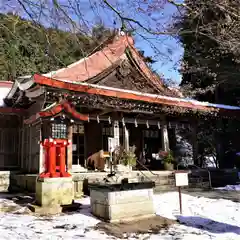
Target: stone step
(203, 185)
(164, 188)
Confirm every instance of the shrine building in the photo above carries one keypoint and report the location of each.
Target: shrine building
(111, 93)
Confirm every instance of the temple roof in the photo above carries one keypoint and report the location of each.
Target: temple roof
(74, 80)
(121, 48)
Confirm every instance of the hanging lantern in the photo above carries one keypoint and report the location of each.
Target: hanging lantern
(159, 125)
(147, 124)
(109, 120)
(98, 120)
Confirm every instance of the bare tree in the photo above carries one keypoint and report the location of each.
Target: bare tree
(151, 20)
(147, 19)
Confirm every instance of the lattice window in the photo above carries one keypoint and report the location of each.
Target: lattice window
(59, 130)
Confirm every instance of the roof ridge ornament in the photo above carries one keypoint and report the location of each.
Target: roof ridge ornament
(121, 32)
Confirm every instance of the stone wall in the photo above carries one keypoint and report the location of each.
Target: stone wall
(22, 182)
(4, 181)
(164, 180)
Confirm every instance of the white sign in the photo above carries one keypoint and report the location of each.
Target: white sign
(181, 179)
(112, 144)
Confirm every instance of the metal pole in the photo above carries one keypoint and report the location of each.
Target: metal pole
(180, 199)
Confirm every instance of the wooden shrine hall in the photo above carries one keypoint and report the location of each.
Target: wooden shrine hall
(112, 93)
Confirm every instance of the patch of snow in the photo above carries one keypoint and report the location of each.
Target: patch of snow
(209, 162)
(207, 104)
(66, 226)
(3, 93)
(202, 219)
(230, 188)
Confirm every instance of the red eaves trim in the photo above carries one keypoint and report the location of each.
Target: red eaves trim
(6, 84)
(63, 106)
(42, 80)
(9, 110)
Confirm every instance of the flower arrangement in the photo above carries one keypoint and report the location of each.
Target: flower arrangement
(166, 156)
(168, 159)
(127, 158)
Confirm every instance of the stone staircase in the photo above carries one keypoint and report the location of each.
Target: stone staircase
(164, 181)
(197, 179)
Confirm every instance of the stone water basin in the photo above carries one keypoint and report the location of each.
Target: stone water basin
(123, 201)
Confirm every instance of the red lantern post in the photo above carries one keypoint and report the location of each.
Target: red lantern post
(55, 152)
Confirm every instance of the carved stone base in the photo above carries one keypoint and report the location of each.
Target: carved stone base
(54, 191)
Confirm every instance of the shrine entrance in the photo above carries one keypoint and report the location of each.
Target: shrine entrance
(78, 145)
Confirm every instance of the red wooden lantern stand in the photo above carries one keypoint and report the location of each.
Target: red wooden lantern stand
(55, 156)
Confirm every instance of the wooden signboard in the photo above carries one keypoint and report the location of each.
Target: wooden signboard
(181, 180)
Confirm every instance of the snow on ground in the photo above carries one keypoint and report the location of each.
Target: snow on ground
(230, 188)
(202, 219)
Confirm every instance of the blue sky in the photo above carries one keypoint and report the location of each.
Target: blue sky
(164, 49)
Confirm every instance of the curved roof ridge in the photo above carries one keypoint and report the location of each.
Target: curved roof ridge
(91, 66)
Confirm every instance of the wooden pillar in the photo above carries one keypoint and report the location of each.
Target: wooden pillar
(126, 138)
(22, 146)
(164, 134)
(52, 160)
(29, 166)
(116, 131)
(41, 159)
(196, 161)
(41, 153)
(69, 149)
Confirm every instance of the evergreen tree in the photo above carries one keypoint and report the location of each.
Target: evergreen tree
(211, 69)
(27, 48)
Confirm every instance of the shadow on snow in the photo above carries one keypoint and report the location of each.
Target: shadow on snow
(208, 224)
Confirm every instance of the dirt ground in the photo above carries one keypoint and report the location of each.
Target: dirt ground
(144, 226)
